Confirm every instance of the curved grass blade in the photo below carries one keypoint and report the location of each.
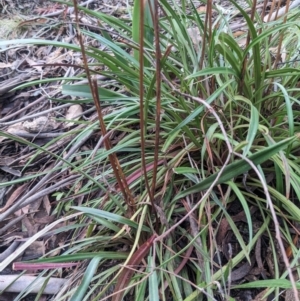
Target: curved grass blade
(87, 278)
(246, 209)
(110, 216)
(238, 167)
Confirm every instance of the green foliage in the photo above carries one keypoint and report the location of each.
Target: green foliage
(231, 118)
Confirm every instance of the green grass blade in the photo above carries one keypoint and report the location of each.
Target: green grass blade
(252, 130)
(213, 70)
(283, 283)
(86, 280)
(238, 167)
(83, 256)
(110, 216)
(153, 283)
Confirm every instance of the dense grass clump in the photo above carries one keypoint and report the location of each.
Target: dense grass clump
(182, 182)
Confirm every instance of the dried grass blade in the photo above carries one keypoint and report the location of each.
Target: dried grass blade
(127, 273)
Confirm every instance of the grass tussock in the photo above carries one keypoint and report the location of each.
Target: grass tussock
(184, 174)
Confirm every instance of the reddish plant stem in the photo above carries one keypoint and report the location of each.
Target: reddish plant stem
(18, 266)
(127, 272)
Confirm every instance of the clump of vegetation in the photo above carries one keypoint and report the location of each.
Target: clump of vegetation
(188, 186)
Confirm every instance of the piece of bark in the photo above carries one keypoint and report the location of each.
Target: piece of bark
(53, 286)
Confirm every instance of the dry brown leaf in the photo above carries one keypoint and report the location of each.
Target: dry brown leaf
(47, 204)
(27, 225)
(242, 42)
(202, 9)
(289, 295)
(25, 209)
(32, 64)
(195, 36)
(37, 248)
(34, 207)
(239, 33)
(73, 113)
(18, 212)
(259, 297)
(12, 129)
(44, 220)
(13, 197)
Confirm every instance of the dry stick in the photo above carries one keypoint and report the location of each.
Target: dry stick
(44, 97)
(9, 250)
(35, 115)
(6, 87)
(32, 194)
(25, 134)
(267, 18)
(36, 236)
(49, 190)
(31, 197)
(58, 144)
(277, 10)
(11, 223)
(263, 13)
